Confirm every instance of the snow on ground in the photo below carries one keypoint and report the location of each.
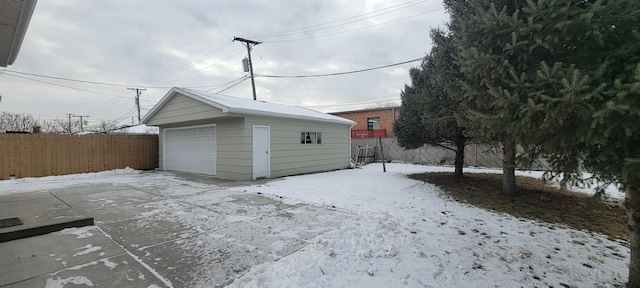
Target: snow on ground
(13, 186)
(409, 234)
(406, 234)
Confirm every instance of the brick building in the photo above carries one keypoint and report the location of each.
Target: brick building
(371, 123)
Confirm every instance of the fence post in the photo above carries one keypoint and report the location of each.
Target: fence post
(384, 168)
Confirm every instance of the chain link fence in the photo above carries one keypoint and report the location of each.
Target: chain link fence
(476, 155)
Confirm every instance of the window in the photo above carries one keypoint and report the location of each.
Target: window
(373, 123)
(310, 138)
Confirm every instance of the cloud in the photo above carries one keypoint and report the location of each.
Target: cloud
(132, 42)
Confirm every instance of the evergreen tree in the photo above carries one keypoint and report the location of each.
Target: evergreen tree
(562, 78)
(428, 112)
(480, 33)
(590, 91)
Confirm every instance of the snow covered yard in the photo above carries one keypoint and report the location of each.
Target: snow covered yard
(408, 233)
(405, 233)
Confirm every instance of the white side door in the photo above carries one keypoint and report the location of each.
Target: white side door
(261, 151)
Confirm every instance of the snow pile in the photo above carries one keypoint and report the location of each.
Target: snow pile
(138, 129)
(13, 186)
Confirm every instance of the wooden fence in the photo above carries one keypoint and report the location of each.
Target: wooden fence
(37, 155)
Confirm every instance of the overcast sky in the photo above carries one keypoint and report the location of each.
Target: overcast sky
(155, 44)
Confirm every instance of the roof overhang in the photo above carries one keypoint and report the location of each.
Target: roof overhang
(15, 16)
(238, 111)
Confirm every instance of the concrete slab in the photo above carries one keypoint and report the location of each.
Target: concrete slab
(210, 180)
(116, 213)
(87, 189)
(100, 196)
(173, 190)
(216, 259)
(26, 196)
(40, 213)
(164, 225)
(106, 208)
(155, 231)
(116, 271)
(21, 207)
(27, 258)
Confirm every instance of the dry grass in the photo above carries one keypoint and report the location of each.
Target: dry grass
(536, 200)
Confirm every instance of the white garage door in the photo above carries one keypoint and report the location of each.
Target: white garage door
(191, 149)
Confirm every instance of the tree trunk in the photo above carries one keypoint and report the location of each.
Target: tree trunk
(459, 164)
(509, 168)
(632, 202)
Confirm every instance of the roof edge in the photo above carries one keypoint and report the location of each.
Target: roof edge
(21, 29)
(225, 109)
(291, 116)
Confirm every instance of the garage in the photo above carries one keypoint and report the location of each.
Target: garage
(242, 139)
(191, 149)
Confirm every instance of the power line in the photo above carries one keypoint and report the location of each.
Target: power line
(127, 114)
(106, 105)
(227, 83)
(305, 29)
(96, 82)
(355, 29)
(69, 87)
(65, 79)
(74, 88)
(281, 81)
(196, 61)
(340, 73)
(241, 79)
(234, 85)
(198, 70)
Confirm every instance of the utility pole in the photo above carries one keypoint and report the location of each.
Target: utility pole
(70, 115)
(248, 43)
(138, 92)
(81, 122)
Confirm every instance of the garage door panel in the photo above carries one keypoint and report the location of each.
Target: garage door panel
(191, 149)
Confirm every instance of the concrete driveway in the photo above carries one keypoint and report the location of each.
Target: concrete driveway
(153, 229)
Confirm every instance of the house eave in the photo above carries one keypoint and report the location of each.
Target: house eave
(237, 111)
(14, 24)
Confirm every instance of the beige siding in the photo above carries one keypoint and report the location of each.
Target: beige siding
(235, 142)
(180, 109)
(289, 157)
(234, 150)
